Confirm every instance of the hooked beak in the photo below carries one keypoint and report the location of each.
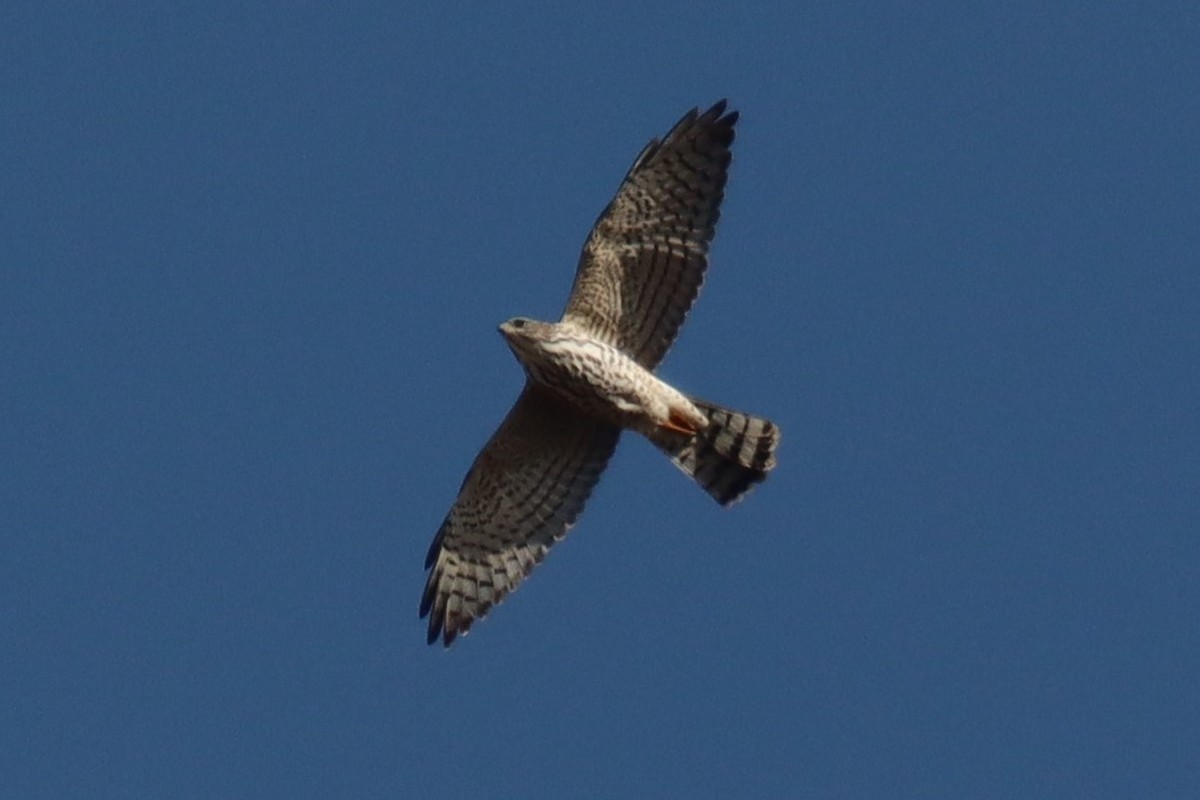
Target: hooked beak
(512, 329)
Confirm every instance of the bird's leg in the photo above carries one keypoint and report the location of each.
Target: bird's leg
(678, 423)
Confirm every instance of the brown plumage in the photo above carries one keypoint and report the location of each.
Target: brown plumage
(589, 376)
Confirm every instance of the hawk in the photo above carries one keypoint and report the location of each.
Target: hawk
(590, 376)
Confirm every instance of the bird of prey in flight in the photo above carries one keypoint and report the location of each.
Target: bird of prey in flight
(590, 376)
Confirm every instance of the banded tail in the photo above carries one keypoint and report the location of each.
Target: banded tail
(730, 456)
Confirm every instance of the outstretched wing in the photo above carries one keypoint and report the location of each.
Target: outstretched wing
(644, 261)
(522, 494)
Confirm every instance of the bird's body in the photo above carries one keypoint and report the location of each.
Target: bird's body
(598, 379)
(590, 376)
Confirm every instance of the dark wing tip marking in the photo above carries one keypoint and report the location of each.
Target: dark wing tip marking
(544, 461)
(644, 261)
(724, 125)
(434, 548)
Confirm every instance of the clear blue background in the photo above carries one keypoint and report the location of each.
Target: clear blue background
(251, 262)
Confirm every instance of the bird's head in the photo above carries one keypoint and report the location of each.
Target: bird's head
(517, 327)
(521, 333)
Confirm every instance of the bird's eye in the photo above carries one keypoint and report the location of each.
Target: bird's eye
(518, 323)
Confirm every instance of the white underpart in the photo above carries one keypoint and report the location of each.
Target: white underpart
(602, 380)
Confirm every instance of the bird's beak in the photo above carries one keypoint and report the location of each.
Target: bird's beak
(510, 334)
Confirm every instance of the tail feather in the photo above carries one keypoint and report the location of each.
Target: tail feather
(729, 457)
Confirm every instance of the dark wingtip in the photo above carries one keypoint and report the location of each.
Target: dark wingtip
(436, 545)
(437, 629)
(712, 115)
(716, 113)
(437, 618)
(720, 125)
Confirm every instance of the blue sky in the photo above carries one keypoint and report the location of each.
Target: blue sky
(252, 260)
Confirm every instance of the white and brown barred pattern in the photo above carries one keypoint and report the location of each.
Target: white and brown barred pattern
(729, 457)
(645, 259)
(638, 276)
(526, 488)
